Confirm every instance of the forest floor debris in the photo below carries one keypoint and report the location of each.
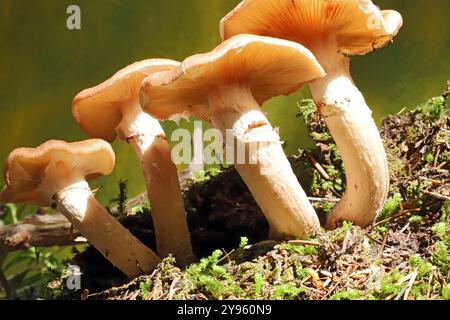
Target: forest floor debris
(404, 255)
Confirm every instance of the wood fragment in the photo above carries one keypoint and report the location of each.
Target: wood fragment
(38, 231)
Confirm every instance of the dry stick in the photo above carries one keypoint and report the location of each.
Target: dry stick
(399, 215)
(305, 243)
(319, 168)
(383, 245)
(436, 157)
(373, 239)
(410, 284)
(329, 200)
(437, 195)
(401, 111)
(430, 278)
(339, 281)
(39, 231)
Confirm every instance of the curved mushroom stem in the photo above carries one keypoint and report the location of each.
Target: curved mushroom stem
(147, 137)
(104, 232)
(351, 124)
(267, 172)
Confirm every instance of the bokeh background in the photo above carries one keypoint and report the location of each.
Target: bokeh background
(43, 64)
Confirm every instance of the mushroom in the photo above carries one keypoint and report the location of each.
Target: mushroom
(226, 87)
(55, 174)
(332, 30)
(112, 108)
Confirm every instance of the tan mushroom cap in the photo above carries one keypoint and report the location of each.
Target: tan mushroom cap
(98, 110)
(358, 26)
(27, 170)
(268, 66)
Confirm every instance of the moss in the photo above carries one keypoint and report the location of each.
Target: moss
(381, 230)
(389, 285)
(145, 288)
(350, 294)
(214, 279)
(416, 220)
(300, 249)
(423, 267)
(446, 292)
(391, 206)
(258, 285)
(288, 291)
(440, 229)
(441, 256)
(432, 109)
(204, 176)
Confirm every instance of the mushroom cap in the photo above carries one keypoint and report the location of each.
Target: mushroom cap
(29, 173)
(267, 66)
(98, 110)
(357, 26)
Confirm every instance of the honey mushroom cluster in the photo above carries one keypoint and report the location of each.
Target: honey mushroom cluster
(270, 48)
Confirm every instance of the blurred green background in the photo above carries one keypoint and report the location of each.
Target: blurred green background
(43, 64)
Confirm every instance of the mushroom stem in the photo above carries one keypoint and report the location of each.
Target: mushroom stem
(147, 137)
(351, 124)
(267, 172)
(115, 242)
(197, 163)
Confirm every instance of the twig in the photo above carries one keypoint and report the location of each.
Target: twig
(410, 284)
(226, 256)
(437, 195)
(383, 245)
(394, 217)
(305, 243)
(173, 288)
(38, 231)
(347, 272)
(319, 167)
(329, 200)
(401, 111)
(373, 239)
(436, 157)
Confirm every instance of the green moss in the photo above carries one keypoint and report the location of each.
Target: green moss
(445, 212)
(300, 249)
(243, 243)
(258, 285)
(145, 288)
(441, 257)
(423, 267)
(432, 109)
(391, 206)
(212, 278)
(288, 291)
(429, 158)
(446, 292)
(204, 176)
(440, 229)
(306, 109)
(381, 230)
(389, 285)
(416, 220)
(350, 294)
